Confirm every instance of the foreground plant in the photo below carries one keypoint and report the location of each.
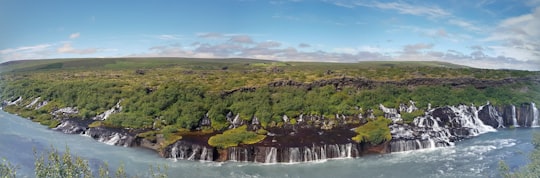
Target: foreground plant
(532, 169)
(66, 165)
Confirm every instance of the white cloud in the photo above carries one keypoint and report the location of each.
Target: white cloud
(74, 35)
(211, 35)
(304, 45)
(400, 7)
(68, 49)
(464, 24)
(169, 37)
(518, 37)
(241, 39)
(26, 52)
(245, 47)
(404, 8)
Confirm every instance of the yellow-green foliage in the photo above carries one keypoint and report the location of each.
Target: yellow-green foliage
(409, 117)
(166, 94)
(96, 124)
(262, 132)
(293, 121)
(234, 137)
(375, 131)
(150, 135)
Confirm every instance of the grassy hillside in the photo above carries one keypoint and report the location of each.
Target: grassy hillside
(168, 95)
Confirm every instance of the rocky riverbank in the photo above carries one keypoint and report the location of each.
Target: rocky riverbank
(315, 138)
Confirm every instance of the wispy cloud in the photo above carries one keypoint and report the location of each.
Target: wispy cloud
(26, 52)
(400, 7)
(74, 35)
(211, 35)
(241, 39)
(169, 37)
(274, 50)
(404, 8)
(68, 49)
(464, 24)
(304, 45)
(518, 37)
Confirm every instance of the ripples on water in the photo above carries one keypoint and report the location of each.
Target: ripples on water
(476, 157)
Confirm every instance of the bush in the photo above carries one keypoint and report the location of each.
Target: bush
(7, 170)
(529, 170)
(233, 137)
(374, 132)
(409, 117)
(55, 164)
(262, 132)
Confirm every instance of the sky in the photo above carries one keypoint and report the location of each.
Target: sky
(495, 34)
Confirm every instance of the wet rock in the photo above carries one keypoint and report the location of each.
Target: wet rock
(73, 126)
(112, 136)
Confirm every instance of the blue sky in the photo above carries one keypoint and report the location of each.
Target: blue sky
(481, 33)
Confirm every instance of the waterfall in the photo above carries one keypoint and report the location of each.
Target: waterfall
(468, 118)
(111, 141)
(349, 150)
(323, 153)
(271, 155)
(307, 154)
(238, 154)
(294, 155)
(174, 152)
(193, 153)
(33, 103)
(431, 143)
(440, 127)
(514, 118)
(535, 116)
(203, 154)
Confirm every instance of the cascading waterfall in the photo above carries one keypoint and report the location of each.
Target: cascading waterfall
(204, 154)
(271, 155)
(468, 118)
(232, 154)
(306, 154)
(188, 151)
(535, 116)
(514, 118)
(426, 131)
(349, 150)
(323, 153)
(294, 155)
(193, 153)
(174, 152)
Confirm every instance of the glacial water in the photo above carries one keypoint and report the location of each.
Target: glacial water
(476, 157)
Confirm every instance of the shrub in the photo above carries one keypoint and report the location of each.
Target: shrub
(409, 117)
(7, 170)
(233, 137)
(374, 132)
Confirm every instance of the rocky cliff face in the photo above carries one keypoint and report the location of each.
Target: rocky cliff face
(366, 83)
(442, 127)
(110, 136)
(320, 139)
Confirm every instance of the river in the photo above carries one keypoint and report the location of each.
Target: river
(476, 157)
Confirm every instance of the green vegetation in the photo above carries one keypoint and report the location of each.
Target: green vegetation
(409, 117)
(7, 170)
(168, 94)
(56, 164)
(233, 137)
(532, 169)
(375, 131)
